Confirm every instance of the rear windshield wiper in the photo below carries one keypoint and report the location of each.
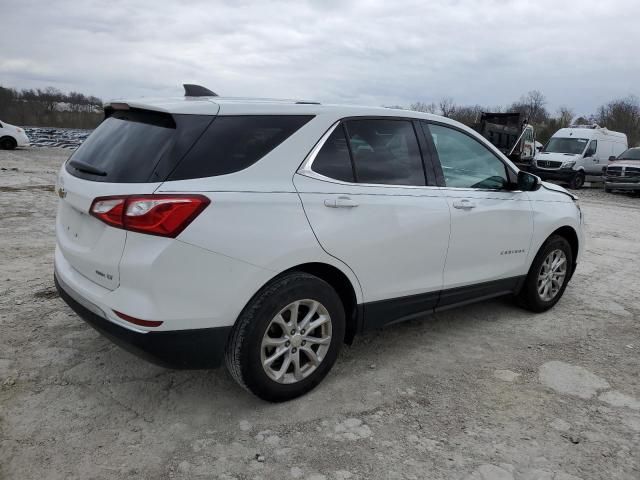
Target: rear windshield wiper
(86, 168)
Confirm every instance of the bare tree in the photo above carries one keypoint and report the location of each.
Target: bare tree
(468, 114)
(565, 117)
(621, 115)
(447, 107)
(49, 107)
(532, 105)
(423, 107)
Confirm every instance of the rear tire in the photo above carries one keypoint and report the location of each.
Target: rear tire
(272, 326)
(577, 181)
(546, 281)
(8, 143)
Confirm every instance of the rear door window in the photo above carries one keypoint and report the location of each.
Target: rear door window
(385, 152)
(233, 143)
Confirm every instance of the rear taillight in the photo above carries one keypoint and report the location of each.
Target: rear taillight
(163, 215)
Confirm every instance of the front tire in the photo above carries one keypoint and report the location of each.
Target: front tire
(577, 181)
(287, 338)
(548, 276)
(8, 143)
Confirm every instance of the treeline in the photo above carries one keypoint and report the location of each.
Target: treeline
(49, 108)
(620, 115)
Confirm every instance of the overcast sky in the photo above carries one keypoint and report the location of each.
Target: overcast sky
(579, 53)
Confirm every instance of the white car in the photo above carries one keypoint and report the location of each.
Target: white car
(12, 137)
(265, 234)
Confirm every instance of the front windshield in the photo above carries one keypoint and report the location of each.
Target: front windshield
(566, 145)
(631, 154)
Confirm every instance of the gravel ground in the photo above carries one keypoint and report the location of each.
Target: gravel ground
(482, 392)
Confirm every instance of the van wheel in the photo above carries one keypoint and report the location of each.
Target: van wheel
(608, 190)
(577, 182)
(8, 143)
(548, 276)
(287, 338)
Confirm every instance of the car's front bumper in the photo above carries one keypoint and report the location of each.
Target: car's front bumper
(22, 140)
(193, 348)
(617, 184)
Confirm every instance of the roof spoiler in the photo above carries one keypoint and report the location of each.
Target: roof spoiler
(191, 90)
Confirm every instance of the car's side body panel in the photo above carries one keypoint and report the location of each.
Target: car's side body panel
(553, 210)
(489, 241)
(395, 239)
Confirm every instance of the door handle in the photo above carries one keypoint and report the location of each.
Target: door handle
(464, 204)
(340, 202)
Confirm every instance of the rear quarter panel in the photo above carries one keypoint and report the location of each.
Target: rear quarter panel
(266, 229)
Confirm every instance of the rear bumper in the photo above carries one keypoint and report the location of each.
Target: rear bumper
(194, 348)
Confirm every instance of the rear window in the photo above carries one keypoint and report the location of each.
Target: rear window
(234, 143)
(140, 146)
(136, 146)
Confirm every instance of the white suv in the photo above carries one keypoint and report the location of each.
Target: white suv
(268, 233)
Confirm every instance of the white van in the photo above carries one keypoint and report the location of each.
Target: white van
(577, 152)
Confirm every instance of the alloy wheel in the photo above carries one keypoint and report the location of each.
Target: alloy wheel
(552, 274)
(296, 341)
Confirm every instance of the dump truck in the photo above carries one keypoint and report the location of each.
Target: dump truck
(512, 134)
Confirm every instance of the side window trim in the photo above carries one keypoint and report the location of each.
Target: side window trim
(345, 130)
(434, 160)
(511, 175)
(426, 155)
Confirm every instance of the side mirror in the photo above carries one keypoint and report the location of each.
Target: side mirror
(612, 158)
(588, 154)
(528, 182)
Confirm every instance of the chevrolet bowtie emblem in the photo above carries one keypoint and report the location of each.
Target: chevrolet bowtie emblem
(62, 192)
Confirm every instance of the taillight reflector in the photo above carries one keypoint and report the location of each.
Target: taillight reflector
(163, 215)
(137, 321)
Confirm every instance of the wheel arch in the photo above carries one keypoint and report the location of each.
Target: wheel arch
(343, 287)
(571, 236)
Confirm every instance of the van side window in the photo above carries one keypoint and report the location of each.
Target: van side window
(591, 149)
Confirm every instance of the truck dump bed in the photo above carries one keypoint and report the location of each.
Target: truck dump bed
(510, 133)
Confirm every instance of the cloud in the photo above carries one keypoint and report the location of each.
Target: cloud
(580, 53)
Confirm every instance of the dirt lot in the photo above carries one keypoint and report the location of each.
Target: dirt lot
(483, 392)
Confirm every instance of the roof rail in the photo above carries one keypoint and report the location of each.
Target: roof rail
(191, 90)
